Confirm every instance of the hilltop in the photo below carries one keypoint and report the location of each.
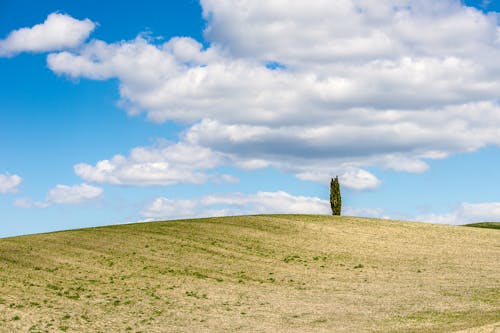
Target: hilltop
(268, 273)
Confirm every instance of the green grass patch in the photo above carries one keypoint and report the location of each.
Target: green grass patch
(487, 225)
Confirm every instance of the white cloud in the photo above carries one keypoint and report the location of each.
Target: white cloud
(235, 204)
(64, 194)
(9, 183)
(354, 178)
(486, 211)
(361, 83)
(412, 165)
(466, 213)
(59, 31)
(167, 208)
(359, 179)
(146, 166)
(301, 33)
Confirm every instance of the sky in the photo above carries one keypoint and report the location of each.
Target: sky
(114, 112)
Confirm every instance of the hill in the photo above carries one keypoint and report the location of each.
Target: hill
(488, 225)
(274, 273)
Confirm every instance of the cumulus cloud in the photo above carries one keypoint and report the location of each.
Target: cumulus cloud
(188, 162)
(466, 213)
(356, 83)
(59, 31)
(354, 178)
(145, 166)
(164, 208)
(9, 183)
(359, 179)
(235, 204)
(63, 195)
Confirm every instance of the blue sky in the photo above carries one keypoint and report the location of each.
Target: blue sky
(187, 109)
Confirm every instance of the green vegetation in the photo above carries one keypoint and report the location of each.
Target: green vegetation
(335, 198)
(488, 225)
(274, 273)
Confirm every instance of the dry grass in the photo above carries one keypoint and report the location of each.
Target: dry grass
(280, 273)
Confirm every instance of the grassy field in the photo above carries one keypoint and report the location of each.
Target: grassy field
(489, 225)
(277, 273)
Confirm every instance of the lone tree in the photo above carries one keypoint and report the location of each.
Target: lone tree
(335, 199)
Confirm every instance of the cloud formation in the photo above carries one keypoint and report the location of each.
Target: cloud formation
(63, 195)
(70, 195)
(358, 84)
(9, 183)
(235, 204)
(58, 32)
(466, 213)
(145, 166)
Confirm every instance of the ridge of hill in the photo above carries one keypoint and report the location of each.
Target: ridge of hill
(261, 273)
(488, 225)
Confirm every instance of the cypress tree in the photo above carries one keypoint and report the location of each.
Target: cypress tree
(335, 199)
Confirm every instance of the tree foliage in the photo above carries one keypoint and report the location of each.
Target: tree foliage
(335, 199)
